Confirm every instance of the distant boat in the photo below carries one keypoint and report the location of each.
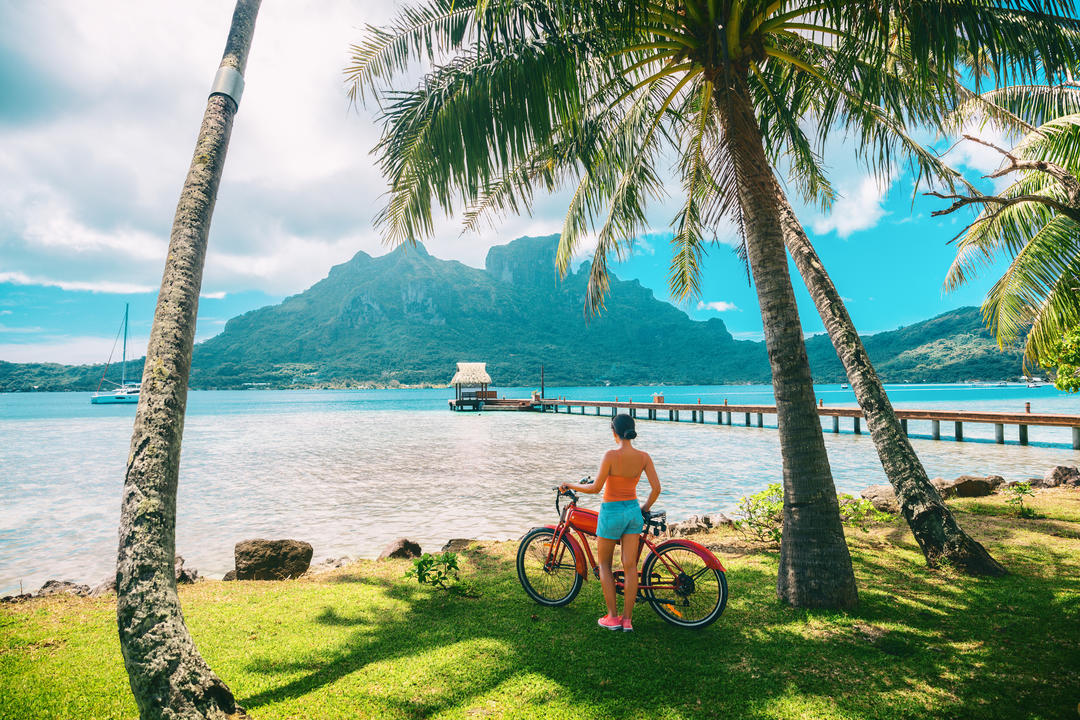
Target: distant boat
(125, 392)
(844, 386)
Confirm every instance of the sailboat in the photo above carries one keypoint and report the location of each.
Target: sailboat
(126, 392)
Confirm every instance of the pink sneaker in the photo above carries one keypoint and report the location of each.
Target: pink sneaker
(610, 622)
(626, 626)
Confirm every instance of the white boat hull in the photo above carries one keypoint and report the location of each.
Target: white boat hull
(114, 398)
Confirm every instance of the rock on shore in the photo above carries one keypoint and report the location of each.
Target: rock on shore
(401, 548)
(1058, 476)
(271, 559)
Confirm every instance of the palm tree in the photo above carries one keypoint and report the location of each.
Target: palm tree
(168, 676)
(533, 94)
(1034, 222)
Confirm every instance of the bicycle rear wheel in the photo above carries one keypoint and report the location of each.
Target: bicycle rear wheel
(549, 578)
(682, 588)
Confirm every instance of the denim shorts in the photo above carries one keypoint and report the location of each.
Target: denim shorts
(618, 518)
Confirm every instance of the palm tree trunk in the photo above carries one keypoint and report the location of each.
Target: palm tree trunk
(168, 676)
(932, 523)
(815, 566)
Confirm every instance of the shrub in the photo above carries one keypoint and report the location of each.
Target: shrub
(762, 514)
(436, 570)
(860, 513)
(1016, 494)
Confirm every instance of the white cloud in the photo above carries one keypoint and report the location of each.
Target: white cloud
(220, 295)
(859, 207)
(717, 305)
(106, 286)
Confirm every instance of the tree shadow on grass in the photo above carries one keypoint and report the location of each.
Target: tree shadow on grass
(969, 648)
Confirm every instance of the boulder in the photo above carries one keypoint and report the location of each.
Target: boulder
(972, 486)
(105, 587)
(271, 559)
(1061, 476)
(966, 486)
(715, 520)
(457, 544)
(698, 524)
(229, 576)
(184, 575)
(996, 481)
(62, 587)
(402, 548)
(20, 598)
(882, 497)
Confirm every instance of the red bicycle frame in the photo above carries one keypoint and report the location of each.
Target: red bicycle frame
(582, 523)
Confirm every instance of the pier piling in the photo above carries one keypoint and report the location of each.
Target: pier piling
(959, 431)
(857, 427)
(836, 423)
(1023, 435)
(761, 420)
(903, 425)
(1076, 438)
(935, 429)
(999, 433)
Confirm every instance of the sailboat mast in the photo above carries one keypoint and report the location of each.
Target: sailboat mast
(123, 362)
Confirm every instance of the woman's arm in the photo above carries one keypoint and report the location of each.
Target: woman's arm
(596, 485)
(654, 482)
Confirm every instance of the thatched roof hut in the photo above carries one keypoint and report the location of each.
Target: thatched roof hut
(471, 374)
(471, 381)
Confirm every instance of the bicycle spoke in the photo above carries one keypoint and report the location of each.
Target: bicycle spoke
(686, 588)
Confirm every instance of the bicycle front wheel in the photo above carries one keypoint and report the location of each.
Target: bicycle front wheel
(548, 571)
(682, 588)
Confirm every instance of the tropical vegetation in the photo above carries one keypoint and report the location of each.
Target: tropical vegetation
(532, 95)
(1033, 224)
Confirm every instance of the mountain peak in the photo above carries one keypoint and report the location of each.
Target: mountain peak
(525, 261)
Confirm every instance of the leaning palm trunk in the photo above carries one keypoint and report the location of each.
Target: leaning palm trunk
(168, 676)
(933, 525)
(815, 566)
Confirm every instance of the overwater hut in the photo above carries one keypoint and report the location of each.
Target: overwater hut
(471, 383)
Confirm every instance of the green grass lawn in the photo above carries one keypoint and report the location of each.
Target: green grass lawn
(364, 642)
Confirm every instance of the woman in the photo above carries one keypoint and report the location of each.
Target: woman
(620, 517)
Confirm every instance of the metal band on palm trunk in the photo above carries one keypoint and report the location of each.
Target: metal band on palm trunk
(228, 82)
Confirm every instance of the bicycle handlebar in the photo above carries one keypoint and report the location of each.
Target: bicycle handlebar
(559, 493)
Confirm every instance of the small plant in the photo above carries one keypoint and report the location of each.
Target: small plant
(860, 513)
(439, 571)
(762, 514)
(1016, 494)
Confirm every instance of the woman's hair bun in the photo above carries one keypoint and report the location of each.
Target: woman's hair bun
(623, 425)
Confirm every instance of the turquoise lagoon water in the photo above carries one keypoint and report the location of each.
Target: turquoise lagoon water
(349, 471)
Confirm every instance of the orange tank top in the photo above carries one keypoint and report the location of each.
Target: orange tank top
(618, 488)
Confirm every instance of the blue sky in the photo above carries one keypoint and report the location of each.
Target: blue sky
(98, 117)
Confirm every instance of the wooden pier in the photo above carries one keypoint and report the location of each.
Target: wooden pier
(753, 415)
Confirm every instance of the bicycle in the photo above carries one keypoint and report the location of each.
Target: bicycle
(683, 582)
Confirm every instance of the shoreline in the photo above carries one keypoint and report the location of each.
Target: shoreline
(880, 497)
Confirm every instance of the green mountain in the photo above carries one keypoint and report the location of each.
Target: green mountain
(407, 317)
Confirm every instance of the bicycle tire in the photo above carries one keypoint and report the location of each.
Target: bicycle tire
(553, 587)
(697, 599)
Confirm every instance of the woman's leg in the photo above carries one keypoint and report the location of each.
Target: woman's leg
(605, 551)
(630, 572)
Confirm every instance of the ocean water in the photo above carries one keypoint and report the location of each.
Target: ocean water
(349, 471)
